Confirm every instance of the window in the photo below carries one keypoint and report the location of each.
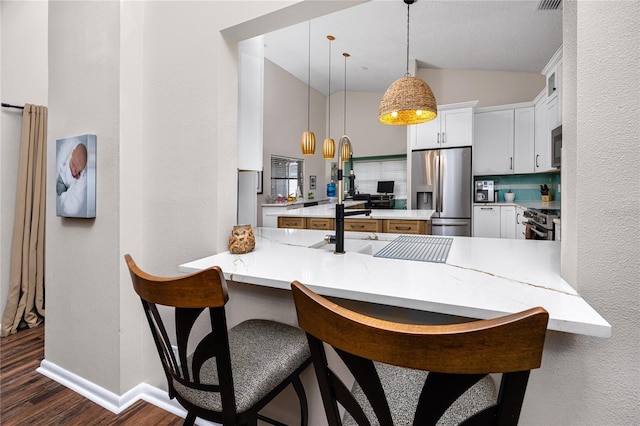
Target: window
(369, 172)
(287, 176)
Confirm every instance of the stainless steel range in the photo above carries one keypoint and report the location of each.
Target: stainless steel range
(541, 223)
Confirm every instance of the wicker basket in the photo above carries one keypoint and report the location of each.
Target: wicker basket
(242, 239)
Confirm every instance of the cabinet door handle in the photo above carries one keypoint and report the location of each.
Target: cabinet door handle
(438, 137)
(510, 163)
(486, 208)
(537, 156)
(443, 141)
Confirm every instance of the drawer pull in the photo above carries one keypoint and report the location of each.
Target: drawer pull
(402, 228)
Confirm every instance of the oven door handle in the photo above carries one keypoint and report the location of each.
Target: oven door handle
(538, 233)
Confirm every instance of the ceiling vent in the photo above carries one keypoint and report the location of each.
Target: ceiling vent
(549, 4)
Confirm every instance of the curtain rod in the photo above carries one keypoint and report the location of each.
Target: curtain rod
(11, 106)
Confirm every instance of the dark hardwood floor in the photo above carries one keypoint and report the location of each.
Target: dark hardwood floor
(29, 398)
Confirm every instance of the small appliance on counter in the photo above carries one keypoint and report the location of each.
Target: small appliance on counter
(485, 192)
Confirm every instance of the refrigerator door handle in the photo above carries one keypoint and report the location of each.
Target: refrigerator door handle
(440, 183)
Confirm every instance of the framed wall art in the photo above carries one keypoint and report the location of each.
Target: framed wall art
(76, 176)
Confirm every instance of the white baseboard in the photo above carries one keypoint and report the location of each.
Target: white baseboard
(111, 401)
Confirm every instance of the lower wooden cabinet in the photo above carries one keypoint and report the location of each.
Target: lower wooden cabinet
(392, 226)
(404, 226)
(363, 225)
(292, 222)
(320, 223)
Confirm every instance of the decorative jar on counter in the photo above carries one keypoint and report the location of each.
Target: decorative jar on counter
(242, 239)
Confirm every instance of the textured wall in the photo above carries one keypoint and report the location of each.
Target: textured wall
(590, 381)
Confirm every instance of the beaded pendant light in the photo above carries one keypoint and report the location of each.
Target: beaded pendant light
(308, 137)
(409, 100)
(329, 145)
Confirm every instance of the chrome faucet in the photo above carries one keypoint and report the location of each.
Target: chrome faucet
(340, 213)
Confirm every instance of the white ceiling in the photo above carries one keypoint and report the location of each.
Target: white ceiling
(506, 35)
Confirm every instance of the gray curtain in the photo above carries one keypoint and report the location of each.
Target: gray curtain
(25, 301)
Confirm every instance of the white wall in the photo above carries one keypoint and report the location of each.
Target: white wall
(285, 118)
(368, 136)
(23, 79)
(157, 83)
(488, 87)
(83, 255)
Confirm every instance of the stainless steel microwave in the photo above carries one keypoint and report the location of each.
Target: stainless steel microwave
(556, 147)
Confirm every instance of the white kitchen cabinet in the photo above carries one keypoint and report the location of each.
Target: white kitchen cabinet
(493, 142)
(521, 225)
(553, 72)
(554, 88)
(552, 114)
(451, 128)
(542, 145)
(486, 221)
(250, 102)
(504, 141)
(508, 222)
(524, 140)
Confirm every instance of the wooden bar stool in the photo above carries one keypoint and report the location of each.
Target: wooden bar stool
(421, 374)
(232, 374)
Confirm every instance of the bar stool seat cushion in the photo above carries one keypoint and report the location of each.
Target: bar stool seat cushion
(402, 387)
(258, 364)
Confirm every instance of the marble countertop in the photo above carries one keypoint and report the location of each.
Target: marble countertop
(329, 211)
(297, 202)
(482, 278)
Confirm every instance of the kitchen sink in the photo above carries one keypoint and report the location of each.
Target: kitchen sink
(354, 246)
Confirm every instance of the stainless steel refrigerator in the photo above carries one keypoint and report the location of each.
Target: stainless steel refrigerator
(441, 181)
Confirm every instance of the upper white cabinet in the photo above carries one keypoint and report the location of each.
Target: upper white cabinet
(542, 159)
(493, 142)
(504, 140)
(452, 127)
(250, 102)
(524, 140)
(548, 113)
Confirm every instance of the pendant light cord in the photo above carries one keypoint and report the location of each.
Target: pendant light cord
(344, 125)
(309, 81)
(329, 120)
(408, 6)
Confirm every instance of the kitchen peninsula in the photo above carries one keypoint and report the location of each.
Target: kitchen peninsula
(481, 278)
(380, 220)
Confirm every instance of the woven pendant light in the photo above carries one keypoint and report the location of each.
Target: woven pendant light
(409, 100)
(346, 148)
(308, 137)
(329, 145)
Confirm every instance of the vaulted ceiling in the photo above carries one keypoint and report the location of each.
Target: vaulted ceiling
(506, 35)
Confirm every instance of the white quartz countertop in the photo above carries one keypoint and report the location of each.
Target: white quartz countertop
(329, 211)
(527, 204)
(482, 278)
(297, 202)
